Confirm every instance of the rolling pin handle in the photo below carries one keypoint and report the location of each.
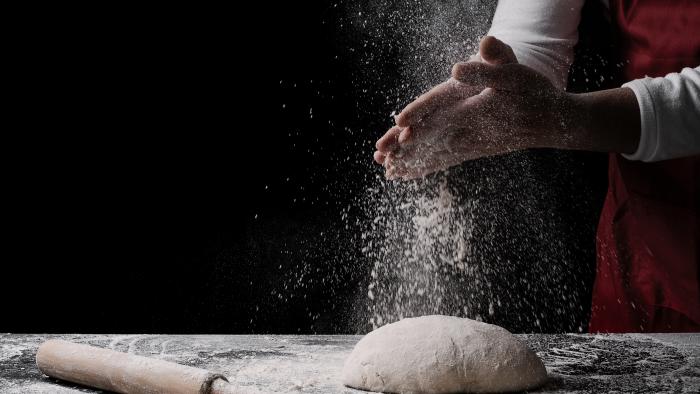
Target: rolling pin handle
(209, 383)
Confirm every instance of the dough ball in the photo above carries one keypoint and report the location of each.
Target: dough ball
(442, 354)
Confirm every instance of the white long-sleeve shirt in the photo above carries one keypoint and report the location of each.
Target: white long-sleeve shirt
(543, 34)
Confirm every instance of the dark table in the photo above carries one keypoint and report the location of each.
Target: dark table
(312, 364)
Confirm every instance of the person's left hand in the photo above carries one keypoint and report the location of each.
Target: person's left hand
(488, 107)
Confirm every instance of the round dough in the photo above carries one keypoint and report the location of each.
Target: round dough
(442, 354)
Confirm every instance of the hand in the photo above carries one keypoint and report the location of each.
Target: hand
(488, 107)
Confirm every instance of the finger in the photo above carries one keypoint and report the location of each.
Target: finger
(495, 51)
(414, 155)
(473, 108)
(440, 160)
(507, 77)
(433, 124)
(379, 157)
(389, 141)
(427, 130)
(444, 159)
(418, 157)
(442, 94)
(455, 147)
(405, 136)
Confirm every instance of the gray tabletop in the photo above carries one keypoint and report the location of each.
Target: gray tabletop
(312, 364)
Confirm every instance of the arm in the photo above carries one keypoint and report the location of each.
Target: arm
(665, 110)
(542, 35)
(498, 106)
(648, 119)
(501, 105)
(604, 121)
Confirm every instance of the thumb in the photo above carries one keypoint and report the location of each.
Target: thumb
(495, 51)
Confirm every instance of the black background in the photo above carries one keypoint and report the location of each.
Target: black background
(168, 176)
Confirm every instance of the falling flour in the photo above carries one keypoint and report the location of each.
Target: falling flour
(423, 258)
(420, 238)
(490, 239)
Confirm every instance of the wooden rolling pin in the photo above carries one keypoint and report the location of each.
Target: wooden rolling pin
(125, 373)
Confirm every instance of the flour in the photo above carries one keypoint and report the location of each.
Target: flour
(426, 247)
(483, 239)
(420, 237)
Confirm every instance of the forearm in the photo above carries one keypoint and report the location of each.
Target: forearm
(603, 121)
(649, 119)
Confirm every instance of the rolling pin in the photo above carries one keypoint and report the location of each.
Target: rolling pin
(125, 373)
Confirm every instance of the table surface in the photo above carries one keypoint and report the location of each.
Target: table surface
(576, 363)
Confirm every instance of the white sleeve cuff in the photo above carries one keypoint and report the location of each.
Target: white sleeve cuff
(649, 133)
(669, 110)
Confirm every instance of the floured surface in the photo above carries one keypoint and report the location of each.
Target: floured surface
(313, 364)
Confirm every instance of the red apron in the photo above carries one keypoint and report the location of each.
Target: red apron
(648, 269)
